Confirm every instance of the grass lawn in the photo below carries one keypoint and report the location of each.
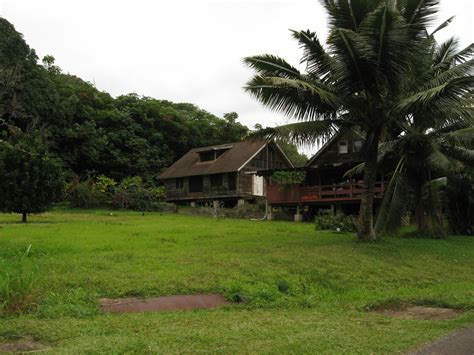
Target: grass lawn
(300, 290)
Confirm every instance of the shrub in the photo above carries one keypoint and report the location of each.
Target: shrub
(17, 281)
(133, 194)
(342, 223)
(83, 195)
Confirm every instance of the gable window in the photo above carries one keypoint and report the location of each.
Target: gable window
(216, 180)
(357, 146)
(179, 183)
(207, 156)
(343, 147)
(212, 154)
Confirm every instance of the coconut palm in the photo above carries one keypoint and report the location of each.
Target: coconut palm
(435, 138)
(356, 81)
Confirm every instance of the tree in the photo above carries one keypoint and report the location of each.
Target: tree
(357, 81)
(435, 139)
(30, 179)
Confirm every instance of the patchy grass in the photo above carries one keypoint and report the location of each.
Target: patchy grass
(296, 290)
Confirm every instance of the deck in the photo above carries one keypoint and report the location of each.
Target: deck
(301, 195)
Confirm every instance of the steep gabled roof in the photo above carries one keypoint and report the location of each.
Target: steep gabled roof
(335, 137)
(235, 156)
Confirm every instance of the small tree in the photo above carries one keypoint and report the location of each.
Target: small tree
(30, 179)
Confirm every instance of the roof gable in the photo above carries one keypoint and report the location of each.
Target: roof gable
(232, 159)
(328, 154)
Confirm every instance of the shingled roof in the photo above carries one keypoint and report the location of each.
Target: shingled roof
(235, 156)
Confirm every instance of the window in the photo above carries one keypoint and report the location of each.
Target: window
(232, 181)
(357, 146)
(216, 180)
(343, 147)
(195, 184)
(220, 152)
(179, 183)
(207, 156)
(210, 155)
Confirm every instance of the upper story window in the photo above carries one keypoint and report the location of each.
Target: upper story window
(216, 180)
(343, 147)
(179, 183)
(357, 146)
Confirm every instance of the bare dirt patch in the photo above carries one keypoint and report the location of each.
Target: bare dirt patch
(420, 312)
(162, 304)
(21, 346)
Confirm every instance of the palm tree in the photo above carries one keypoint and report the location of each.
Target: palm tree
(436, 137)
(357, 81)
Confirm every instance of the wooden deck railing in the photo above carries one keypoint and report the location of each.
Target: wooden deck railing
(350, 191)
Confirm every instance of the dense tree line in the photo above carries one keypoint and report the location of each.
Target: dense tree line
(91, 131)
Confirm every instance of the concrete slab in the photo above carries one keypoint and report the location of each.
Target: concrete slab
(162, 304)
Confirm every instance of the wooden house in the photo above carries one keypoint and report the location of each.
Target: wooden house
(223, 172)
(325, 185)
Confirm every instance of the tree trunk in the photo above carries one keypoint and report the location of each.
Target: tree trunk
(428, 220)
(23, 217)
(365, 229)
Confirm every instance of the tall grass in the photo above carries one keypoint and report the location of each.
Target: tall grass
(17, 281)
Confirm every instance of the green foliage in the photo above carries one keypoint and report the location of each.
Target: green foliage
(131, 194)
(338, 222)
(17, 282)
(30, 178)
(84, 194)
(291, 151)
(288, 178)
(459, 203)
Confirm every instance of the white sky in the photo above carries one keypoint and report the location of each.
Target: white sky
(181, 50)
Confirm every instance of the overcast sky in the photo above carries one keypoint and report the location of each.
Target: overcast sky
(180, 50)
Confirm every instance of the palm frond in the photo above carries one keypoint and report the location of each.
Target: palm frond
(348, 14)
(270, 65)
(418, 14)
(465, 156)
(445, 52)
(300, 132)
(355, 57)
(460, 137)
(394, 203)
(303, 100)
(318, 61)
(442, 26)
(441, 162)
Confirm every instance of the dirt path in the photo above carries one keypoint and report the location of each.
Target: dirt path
(461, 342)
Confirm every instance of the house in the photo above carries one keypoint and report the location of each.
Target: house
(223, 172)
(324, 185)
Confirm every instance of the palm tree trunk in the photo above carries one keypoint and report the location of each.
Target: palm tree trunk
(365, 230)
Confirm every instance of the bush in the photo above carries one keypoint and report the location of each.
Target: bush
(83, 195)
(16, 285)
(340, 223)
(132, 194)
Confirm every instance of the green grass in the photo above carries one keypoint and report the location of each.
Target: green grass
(299, 290)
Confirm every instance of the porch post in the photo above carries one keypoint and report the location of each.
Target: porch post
(298, 215)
